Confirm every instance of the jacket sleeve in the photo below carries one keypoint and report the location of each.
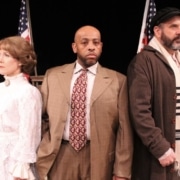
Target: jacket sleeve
(124, 142)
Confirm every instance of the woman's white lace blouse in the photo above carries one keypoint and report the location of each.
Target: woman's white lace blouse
(20, 126)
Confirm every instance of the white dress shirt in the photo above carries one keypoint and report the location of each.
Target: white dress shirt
(91, 76)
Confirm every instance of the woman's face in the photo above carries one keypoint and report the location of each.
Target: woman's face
(9, 66)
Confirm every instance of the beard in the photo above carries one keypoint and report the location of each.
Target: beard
(87, 62)
(173, 44)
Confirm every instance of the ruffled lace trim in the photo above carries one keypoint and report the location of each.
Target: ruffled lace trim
(22, 171)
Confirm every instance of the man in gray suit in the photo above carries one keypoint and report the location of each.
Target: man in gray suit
(107, 154)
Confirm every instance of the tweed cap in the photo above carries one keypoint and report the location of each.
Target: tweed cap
(163, 15)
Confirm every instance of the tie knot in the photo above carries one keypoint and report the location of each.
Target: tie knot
(84, 70)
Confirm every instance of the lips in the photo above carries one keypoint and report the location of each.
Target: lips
(91, 56)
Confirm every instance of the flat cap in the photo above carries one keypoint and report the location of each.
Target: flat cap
(163, 15)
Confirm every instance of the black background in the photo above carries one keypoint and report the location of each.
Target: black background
(54, 22)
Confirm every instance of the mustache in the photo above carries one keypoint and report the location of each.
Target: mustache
(177, 38)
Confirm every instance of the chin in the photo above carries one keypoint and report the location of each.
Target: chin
(91, 61)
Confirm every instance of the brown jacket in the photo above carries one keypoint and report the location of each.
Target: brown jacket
(111, 135)
(152, 96)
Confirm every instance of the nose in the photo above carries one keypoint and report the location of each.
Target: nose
(178, 30)
(1, 58)
(91, 46)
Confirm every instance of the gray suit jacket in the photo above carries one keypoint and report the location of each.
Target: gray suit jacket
(111, 137)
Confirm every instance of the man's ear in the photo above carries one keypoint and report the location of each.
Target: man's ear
(74, 47)
(157, 31)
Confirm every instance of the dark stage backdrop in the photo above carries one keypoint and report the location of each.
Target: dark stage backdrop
(54, 23)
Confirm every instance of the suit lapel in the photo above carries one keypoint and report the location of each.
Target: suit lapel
(102, 81)
(65, 77)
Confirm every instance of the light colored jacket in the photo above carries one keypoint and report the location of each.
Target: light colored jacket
(111, 136)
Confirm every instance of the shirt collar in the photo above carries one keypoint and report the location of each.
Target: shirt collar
(92, 69)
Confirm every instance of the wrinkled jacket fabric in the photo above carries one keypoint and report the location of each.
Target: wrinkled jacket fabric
(152, 100)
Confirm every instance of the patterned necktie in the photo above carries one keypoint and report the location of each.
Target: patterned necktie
(77, 137)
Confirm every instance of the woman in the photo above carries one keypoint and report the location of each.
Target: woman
(20, 110)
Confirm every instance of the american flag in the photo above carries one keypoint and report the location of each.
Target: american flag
(24, 28)
(149, 13)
